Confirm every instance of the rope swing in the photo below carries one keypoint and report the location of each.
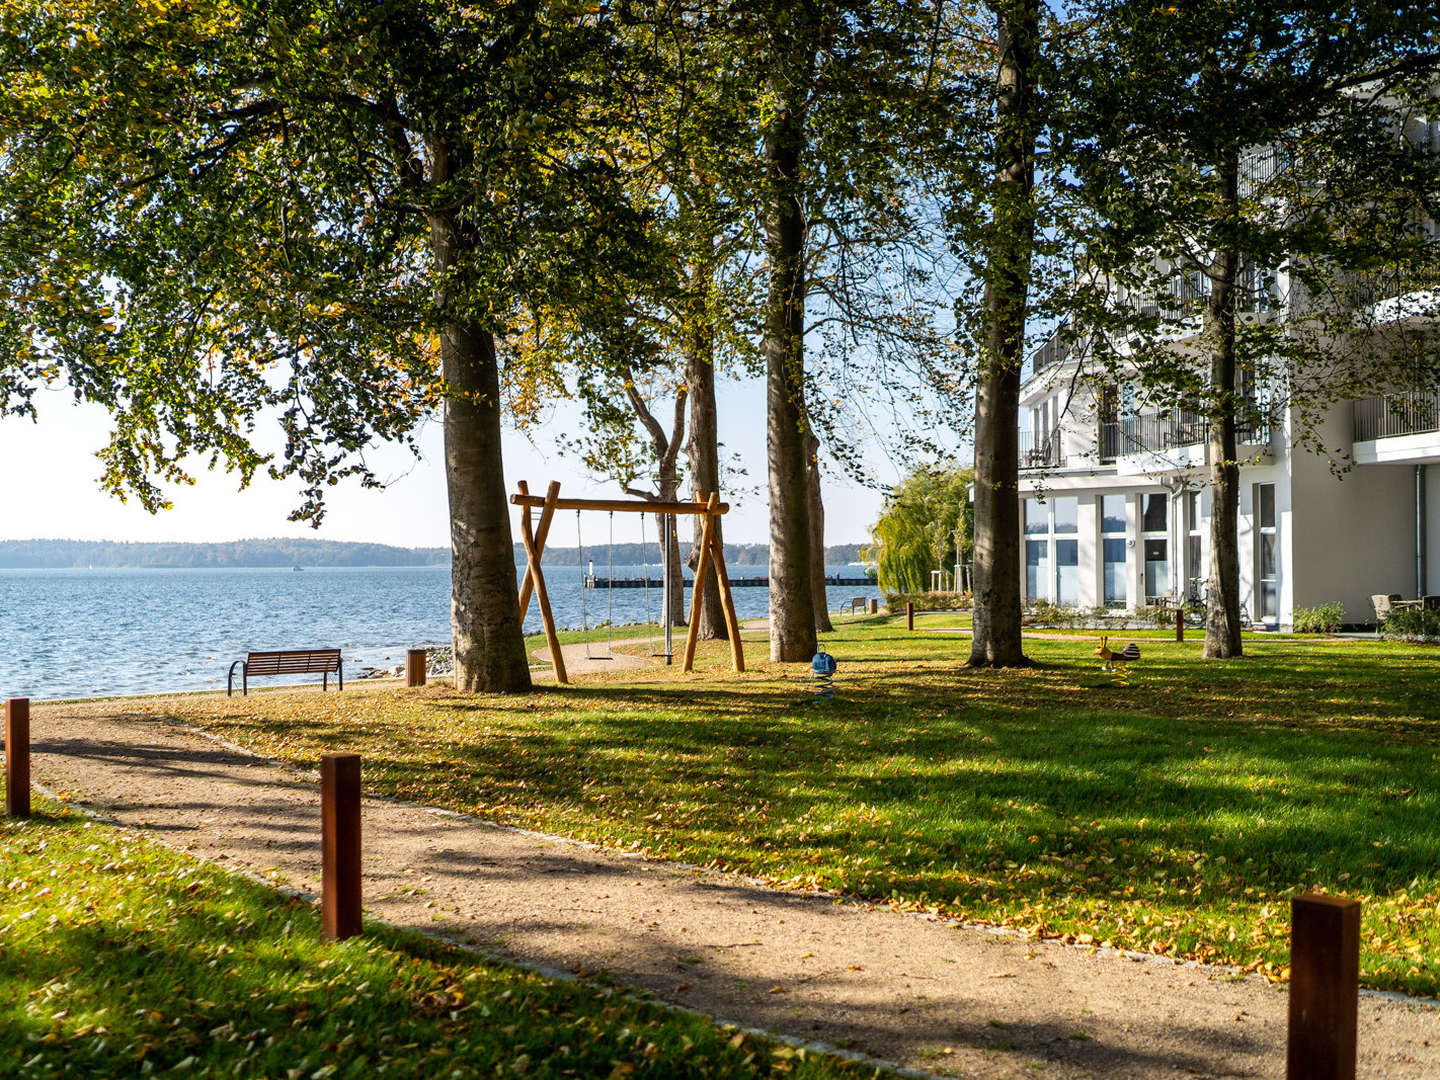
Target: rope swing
(609, 591)
(706, 506)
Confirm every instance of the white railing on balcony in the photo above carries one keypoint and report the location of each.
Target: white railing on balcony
(1396, 414)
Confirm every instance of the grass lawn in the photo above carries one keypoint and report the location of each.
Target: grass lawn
(121, 957)
(1177, 814)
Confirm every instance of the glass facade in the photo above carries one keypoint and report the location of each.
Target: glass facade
(1154, 516)
(1037, 517)
(1067, 567)
(1267, 568)
(1157, 568)
(1116, 592)
(1037, 569)
(1112, 514)
(1067, 515)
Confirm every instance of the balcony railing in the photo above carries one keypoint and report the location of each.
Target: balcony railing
(1056, 350)
(1396, 414)
(1158, 432)
(1044, 452)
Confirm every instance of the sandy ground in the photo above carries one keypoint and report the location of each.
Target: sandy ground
(922, 992)
(601, 656)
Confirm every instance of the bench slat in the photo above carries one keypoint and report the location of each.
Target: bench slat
(293, 662)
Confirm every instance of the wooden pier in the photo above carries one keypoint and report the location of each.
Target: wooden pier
(594, 582)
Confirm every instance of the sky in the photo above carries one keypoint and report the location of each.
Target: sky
(49, 487)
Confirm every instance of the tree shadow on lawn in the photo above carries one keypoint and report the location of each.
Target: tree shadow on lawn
(974, 781)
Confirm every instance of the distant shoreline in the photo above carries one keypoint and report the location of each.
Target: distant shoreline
(280, 553)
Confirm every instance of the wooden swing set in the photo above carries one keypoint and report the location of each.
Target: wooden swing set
(712, 558)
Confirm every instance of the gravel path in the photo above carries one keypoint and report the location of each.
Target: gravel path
(902, 987)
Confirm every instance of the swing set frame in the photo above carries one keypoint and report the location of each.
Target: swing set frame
(712, 559)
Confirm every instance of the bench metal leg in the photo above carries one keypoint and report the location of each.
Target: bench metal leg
(324, 681)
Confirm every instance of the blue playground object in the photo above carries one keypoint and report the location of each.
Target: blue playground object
(822, 676)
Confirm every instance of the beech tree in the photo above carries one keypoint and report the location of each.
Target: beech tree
(995, 224)
(221, 216)
(851, 100)
(1222, 151)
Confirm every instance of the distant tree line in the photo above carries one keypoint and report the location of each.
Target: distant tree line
(115, 554)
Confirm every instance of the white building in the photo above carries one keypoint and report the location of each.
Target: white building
(1116, 512)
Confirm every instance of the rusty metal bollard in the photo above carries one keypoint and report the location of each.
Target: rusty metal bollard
(17, 757)
(340, 845)
(1324, 987)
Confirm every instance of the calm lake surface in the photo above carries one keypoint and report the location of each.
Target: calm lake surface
(78, 633)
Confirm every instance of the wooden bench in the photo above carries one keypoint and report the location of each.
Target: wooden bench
(292, 662)
(861, 602)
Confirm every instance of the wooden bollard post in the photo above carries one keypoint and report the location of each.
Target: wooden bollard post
(874, 607)
(415, 660)
(1324, 987)
(17, 757)
(1180, 624)
(340, 844)
(909, 615)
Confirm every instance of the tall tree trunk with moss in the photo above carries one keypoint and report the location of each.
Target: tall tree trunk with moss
(792, 67)
(1222, 611)
(997, 641)
(823, 624)
(485, 628)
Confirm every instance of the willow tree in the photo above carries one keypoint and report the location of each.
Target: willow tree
(926, 522)
(1250, 178)
(237, 224)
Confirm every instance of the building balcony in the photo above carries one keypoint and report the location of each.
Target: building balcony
(1398, 414)
(1170, 441)
(1397, 429)
(1044, 452)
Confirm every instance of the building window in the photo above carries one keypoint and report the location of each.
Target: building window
(1052, 566)
(1195, 567)
(1154, 525)
(1067, 570)
(1112, 544)
(1037, 569)
(1267, 569)
(1037, 518)
(1067, 516)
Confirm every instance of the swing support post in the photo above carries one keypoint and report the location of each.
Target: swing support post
(712, 560)
(534, 545)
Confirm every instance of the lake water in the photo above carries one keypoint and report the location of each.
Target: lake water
(74, 633)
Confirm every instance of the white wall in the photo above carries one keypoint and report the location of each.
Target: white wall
(1354, 536)
(1432, 529)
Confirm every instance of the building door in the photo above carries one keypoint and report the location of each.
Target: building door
(1155, 536)
(1267, 561)
(1115, 591)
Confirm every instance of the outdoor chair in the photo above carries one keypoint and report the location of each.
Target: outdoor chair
(1382, 603)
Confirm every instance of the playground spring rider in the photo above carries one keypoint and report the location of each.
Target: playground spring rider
(1117, 660)
(822, 676)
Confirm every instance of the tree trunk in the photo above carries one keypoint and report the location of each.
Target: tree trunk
(485, 626)
(703, 449)
(817, 535)
(1222, 610)
(792, 608)
(675, 570)
(997, 641)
